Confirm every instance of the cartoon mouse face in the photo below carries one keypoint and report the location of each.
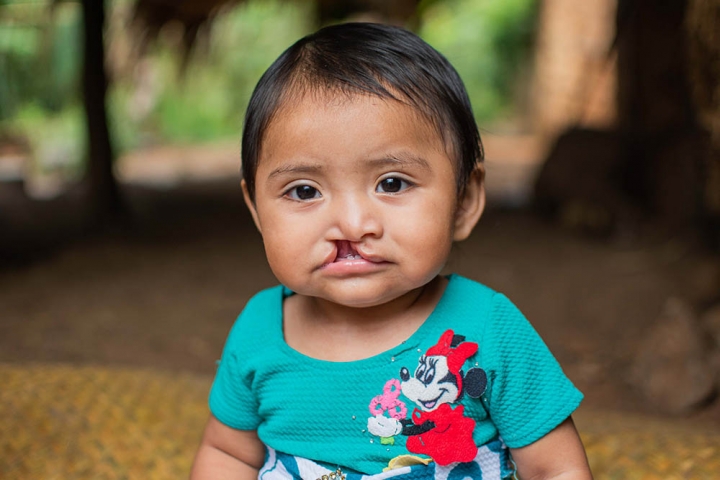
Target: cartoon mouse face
(432, 384)
(438, 378)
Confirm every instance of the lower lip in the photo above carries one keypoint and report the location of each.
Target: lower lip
(352, 267)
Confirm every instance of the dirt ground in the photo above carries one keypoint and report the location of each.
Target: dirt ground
(164, 291)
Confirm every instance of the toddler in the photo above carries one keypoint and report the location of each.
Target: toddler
(362, 164)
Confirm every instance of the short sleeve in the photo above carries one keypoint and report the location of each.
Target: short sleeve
(529, 394)
(232, 401)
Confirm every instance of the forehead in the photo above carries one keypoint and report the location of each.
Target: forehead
(336, 123)
(319, 102)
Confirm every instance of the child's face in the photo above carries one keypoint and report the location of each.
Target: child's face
(356, 200)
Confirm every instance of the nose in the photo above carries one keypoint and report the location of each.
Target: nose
(356, 217)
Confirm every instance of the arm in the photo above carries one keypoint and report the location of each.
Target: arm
(559, 454)
(226, 453)
(409, 428)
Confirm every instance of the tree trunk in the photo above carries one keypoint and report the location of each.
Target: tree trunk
(656, 110)
(104, 198)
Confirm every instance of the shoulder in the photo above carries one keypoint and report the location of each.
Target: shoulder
(468, 307)
(473, 300)
(463, 292)
(498, 325)
(263, 303)
(270, 297)
(477, 290)
(259, 313)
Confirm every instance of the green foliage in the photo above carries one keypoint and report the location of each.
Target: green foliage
(39, 56)
(58, 138)
(247, 41)
(488, 42)
(40, 69)
(207, 101)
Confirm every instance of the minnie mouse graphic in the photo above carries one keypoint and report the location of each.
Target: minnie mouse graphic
(436, 428)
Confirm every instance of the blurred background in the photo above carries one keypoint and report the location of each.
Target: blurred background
(126, 252)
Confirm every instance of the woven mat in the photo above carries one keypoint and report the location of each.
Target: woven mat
(68, 422)
(61, 422)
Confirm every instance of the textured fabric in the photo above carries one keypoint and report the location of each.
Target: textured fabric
(327, 411)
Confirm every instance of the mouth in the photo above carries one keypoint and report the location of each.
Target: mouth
(430, 404)
(346, 259)
(345, 251)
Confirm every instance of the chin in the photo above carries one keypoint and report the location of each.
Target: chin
(357, 292)
(364, 298)
(357, 301)
(369, 304)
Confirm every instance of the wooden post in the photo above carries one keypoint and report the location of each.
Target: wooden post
(104, 198)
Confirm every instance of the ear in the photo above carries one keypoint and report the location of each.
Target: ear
(475, 382)
(251, 205)
(471, 205)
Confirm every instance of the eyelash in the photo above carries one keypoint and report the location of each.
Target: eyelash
(404, 184)
(291, 193)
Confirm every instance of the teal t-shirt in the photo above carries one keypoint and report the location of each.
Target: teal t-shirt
(323, 410)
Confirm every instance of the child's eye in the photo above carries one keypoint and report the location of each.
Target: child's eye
(303, 192)
(392, 185)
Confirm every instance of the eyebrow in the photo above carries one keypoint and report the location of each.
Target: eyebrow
(402, 159)
(296, 168)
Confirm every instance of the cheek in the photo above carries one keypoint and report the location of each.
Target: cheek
(284, 244)
(451, 395)
(428, 230)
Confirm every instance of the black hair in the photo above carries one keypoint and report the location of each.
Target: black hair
(370, 59)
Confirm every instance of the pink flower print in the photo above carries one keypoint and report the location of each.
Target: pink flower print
(389, 401)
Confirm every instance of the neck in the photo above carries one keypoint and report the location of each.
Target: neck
(354, 333)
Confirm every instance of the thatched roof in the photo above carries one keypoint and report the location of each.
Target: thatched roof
(193, 14)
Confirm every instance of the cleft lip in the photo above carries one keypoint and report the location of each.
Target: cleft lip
(344, 250)
(347, 251)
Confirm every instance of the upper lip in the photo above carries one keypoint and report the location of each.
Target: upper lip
(334, 255)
